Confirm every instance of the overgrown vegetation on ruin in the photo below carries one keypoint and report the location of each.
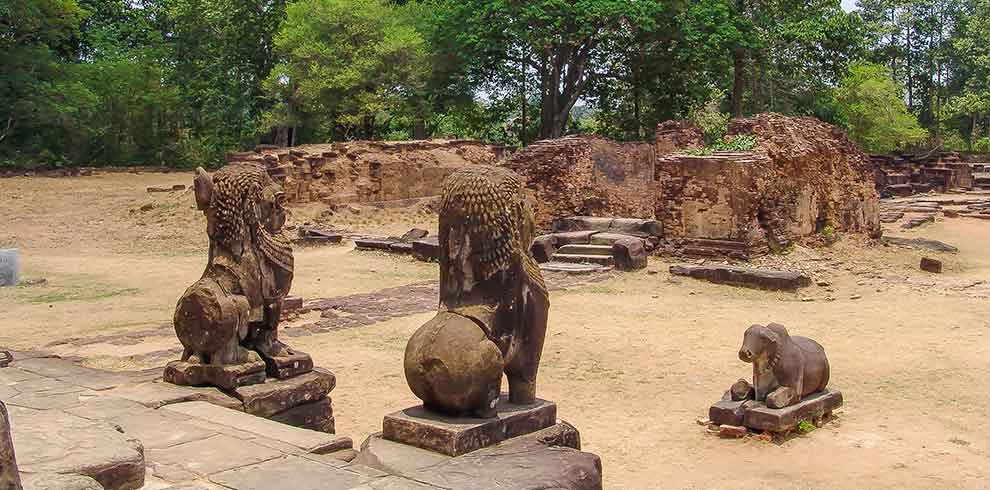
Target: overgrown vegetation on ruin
(181, 82)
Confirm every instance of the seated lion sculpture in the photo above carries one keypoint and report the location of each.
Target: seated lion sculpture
(785, 368)
(227, 321)
(493, 301)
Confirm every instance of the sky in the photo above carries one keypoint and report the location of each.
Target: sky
(849, 5)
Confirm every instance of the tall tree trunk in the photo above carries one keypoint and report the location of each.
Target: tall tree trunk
(524, 103)
(419, 128)
(738, 80)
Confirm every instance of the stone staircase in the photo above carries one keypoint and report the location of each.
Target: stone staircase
(585, 254)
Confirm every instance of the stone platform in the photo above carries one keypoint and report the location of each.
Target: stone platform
(77, 428)
(455, 436)
(547, 458)
(757, 416)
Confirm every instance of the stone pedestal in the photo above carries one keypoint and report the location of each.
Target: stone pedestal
(226, 376)
(757, 416)
(454, 436)
(301, 401)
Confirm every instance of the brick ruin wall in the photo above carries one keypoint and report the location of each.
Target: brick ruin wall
(805, 175)
(586, 176)
(903, 174)
(367, 171)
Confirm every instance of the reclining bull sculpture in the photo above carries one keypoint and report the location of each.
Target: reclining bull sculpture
(785, 368)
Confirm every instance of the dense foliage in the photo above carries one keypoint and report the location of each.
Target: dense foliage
(181, 82)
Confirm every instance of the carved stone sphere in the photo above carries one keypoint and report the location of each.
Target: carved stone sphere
(452, 366)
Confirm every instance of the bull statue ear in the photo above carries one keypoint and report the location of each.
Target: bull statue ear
(203, 185)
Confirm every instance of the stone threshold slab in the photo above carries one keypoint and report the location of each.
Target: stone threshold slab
(455, 436)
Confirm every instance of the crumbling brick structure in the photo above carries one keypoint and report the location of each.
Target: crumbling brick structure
(587, 176)
(905, 174)
(367, 171)
(804, 177)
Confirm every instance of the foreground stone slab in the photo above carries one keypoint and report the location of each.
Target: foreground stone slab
(455, 436)
(744, 276)
(72, 373)
(784, 419)
(545, 459)
(395, 457)
(55, 442)
(157, 394)
(278, 395)
(291, 472)
(212, 455)
(309, 441)
(60, 482)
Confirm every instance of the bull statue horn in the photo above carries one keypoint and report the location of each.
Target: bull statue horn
(203, 185)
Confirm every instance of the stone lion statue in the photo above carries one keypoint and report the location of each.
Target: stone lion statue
(227, 321)
(785, 368)
(493, 301)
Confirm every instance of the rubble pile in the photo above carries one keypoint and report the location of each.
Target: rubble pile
(367, 171)
(904, 174)
(805, 177)
(586, 176)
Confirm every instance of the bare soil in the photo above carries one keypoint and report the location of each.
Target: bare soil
(633, 360)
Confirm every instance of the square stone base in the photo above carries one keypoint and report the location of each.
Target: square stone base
(228, 376)
(455, 436)
(757, 416)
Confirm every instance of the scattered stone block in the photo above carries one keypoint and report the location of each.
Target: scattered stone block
(401, 248)
(287, 366)
(931, 265)
(741, 390)
(373, 244)
(278, 395)
(309, 441)
(629, 254)
(415, 234)
(427, 250)
(732, 431)
(727, 412)
(818, 404)
(543, 248)
(455, 436)
(292, 304)
(921, 243)
(744, 276)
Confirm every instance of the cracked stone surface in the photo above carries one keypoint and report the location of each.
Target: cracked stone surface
(56, 442)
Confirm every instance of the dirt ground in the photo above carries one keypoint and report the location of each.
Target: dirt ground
(632, 361)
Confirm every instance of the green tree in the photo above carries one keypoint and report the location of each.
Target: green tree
(873, 104)
(549, 47)
(346, 62)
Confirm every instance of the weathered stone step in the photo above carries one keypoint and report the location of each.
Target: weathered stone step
(570, 268)
(585, 259)
(576, 249)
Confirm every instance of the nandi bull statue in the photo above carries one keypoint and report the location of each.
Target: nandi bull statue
(493, 302)
(227, 321)
(785, 368)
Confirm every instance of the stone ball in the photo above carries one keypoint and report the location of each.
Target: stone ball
(452, 366)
